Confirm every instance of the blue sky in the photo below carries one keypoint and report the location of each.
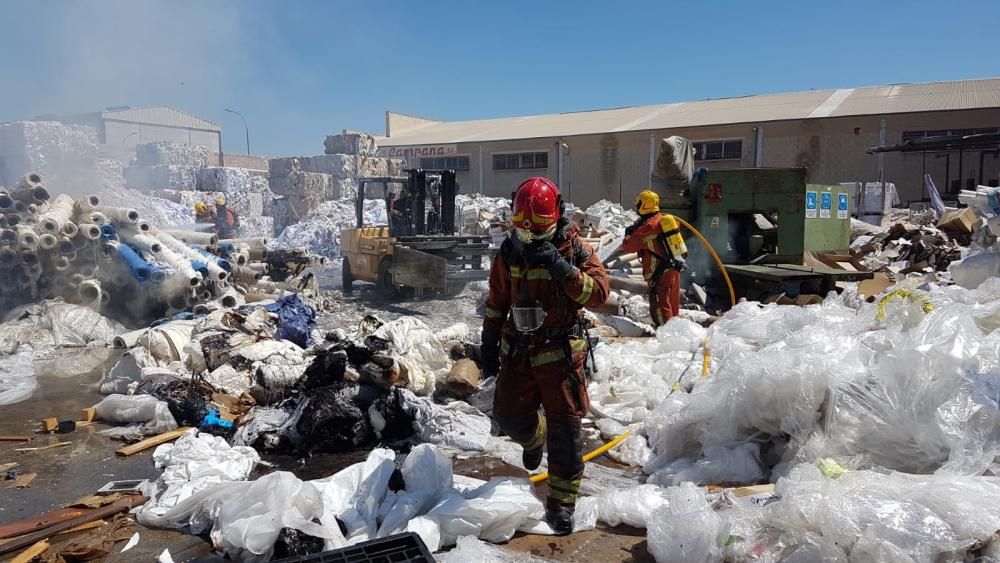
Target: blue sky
(301, 69)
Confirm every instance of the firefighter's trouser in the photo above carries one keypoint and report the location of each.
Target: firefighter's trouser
(533, 376)
(665, 297)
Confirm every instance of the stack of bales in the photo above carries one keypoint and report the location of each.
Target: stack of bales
(46, 147)
(109, 259)
(166, 165)
(180, 173)
(308, 181)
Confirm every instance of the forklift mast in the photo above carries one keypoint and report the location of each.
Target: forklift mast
(418, 191)
(415, 186)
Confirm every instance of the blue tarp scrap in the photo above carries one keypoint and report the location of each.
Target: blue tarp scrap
(296, 320)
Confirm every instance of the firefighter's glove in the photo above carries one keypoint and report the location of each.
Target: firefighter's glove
(679, 264)
(631, 228)
(490, 352)
(547, 255)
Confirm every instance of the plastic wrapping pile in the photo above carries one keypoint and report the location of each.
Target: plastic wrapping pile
(864, 516)
(28, 331)
(290, 393)
(354, 505)
(906, 384)
(319, 231)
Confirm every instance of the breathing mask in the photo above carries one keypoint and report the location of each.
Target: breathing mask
(527, 318)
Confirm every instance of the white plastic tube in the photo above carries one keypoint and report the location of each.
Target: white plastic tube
(180, 265)
(230, 298)
(8, 237)
(30, 180)
(60, 212)
(215, 272)
(90, 291)
(129, 339)
(6, 202)
(98, 218)
(66, 245)
(86, 204)
(47, 241)
(193, 237)
(119, 215)
(89, 231)
(26, 238)
(143, 242)
(35, 194)
(60, 264)
(7, 256)
(70, 229)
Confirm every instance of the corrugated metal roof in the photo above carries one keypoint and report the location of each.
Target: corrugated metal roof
(160, 115)
(876, 100)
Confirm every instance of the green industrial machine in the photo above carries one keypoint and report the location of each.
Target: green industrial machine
(762, 222)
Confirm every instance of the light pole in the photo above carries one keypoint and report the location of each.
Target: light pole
(245, 127)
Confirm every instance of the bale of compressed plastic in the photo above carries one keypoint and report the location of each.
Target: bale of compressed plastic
(351, 143)
(227, 179)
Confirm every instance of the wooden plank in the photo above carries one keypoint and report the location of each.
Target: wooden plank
(88, 414)
(82, 527)
(35, 523)
(50, 424)
(124, 505)
(22, 481)
(151, 442)
(4, 467)
(15, 438)
(32, 552)
(40, 448)
(753, 490)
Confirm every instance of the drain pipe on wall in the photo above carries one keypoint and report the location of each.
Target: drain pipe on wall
(758, 147)
(481, 169)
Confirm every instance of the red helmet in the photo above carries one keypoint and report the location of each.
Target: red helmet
(537, 206)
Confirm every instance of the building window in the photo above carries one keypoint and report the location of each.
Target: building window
(520, 161)
(718, 150)
(459, 163)
(910, 135)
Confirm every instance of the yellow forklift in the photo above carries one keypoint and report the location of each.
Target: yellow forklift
(418, 253)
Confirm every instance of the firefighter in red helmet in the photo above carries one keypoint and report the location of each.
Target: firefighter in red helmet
(535, 342)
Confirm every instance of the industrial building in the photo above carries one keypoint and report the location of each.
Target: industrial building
(609, 153)
(124, 127)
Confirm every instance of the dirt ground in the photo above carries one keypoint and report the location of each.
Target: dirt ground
(68, 383)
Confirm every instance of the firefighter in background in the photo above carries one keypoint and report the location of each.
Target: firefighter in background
(227, 221)
(656, 237)
(202, 214)
(535, 341)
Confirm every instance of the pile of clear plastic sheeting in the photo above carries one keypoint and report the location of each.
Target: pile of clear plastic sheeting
(354, 505)
(908, 383)
(863, 516)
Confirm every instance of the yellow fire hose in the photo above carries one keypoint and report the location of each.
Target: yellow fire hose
(599, 451)
(718, 261)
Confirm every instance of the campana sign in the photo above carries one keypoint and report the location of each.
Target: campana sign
(418, 151)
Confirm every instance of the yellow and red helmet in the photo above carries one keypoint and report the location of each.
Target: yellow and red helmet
(537, 208)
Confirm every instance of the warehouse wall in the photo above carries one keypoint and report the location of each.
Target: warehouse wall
(616, 165)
